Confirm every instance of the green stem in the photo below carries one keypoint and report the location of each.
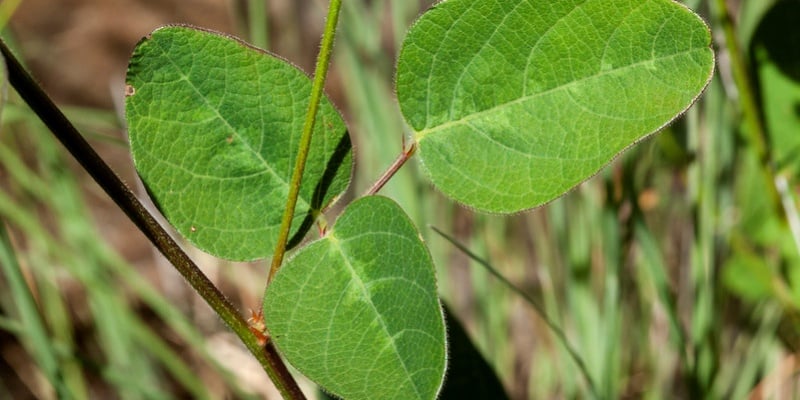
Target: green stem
(755, 131)
(69, 136)
(320, 73)
(750, 114)
(777, 192)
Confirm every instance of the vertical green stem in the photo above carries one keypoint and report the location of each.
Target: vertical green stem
(754, 123)
(741, 78)
(69, 136)
(320, 73)
(755, 130)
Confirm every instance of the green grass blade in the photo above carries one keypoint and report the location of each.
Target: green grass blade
(554, 327)
(33, 333)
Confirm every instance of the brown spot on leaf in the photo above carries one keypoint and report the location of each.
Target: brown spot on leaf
(193, 229)
(129, 91)
(229, 139)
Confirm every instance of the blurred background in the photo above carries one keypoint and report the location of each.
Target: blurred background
(675, 272)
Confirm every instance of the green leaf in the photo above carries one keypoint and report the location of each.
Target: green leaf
(357, 311)
(214, 128)
(514, 102)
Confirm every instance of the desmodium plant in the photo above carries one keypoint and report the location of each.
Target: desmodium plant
(510, 104)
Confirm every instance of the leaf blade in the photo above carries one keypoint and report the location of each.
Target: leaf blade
(514, 109)
(357, 311)
(214, 126)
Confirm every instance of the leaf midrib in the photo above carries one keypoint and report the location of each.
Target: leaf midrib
(421, 134)
(356, 279)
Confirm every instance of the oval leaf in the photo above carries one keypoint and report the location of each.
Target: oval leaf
(357, 311)
(514, 102)
(214, 128)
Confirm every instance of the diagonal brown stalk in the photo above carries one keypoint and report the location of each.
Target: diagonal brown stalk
(396, 165)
